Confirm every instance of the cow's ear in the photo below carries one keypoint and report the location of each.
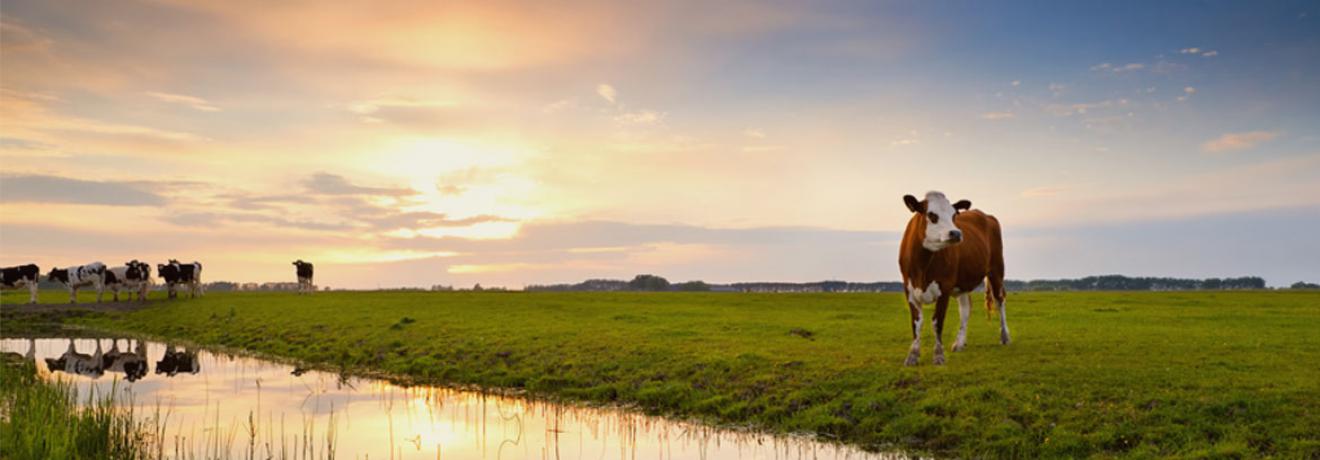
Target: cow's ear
(914, 205)
(962, 205)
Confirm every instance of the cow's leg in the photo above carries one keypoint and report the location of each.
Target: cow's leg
(996, 289)
(73, 295)
(941, 308)
(32, 292)
(964, 310)
(1003, 323)
(915, 352)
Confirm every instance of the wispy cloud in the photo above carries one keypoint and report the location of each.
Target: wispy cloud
(1230, 142)
(641, 117)
(54, 189)
(190, 101)
(997, 115)
(1188, 91)
(607, 92)
(332, 184)
(1134, 66)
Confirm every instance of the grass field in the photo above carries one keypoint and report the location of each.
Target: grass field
(41, 420)
(1188, 374)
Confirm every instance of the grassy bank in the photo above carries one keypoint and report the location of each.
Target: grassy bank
(42, 420)
(1111, 374)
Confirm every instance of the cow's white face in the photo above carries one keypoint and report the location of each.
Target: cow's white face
(937, 214)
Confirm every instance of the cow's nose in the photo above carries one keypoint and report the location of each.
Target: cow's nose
(955, 235)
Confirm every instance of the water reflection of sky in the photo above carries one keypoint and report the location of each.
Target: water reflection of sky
(236, 404)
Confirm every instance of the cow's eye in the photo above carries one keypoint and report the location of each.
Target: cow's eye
(934, 218)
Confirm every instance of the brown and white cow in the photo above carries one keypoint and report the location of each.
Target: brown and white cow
(947, 251)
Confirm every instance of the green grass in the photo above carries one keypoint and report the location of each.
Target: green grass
(42, 420)
(1187, 374)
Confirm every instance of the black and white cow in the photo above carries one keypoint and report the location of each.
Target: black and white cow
(20, 276)
(304, 270)
(132, 277)
(190, 275)
(80, 276)
(169, 274)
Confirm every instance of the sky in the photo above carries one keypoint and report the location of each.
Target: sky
(512, 143)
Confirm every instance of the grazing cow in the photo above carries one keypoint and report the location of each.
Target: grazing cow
(190, 275)
(304, 270)
(947, 251)
(169, 273)
(22, 275)
(79, 276)
(133, 277)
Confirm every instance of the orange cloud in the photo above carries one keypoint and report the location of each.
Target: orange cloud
(1238, 141)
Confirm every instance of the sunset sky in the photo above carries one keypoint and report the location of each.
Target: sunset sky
(410, 144)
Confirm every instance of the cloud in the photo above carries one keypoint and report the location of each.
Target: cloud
(1230, 142)
(754, 133)
(1118, 68)
(1199, 51)
(642, 117)
(1065, 110)
(607, 92)
(333, 184)
(53, 189)
(997, 115)
(1057, 89)
(191, 101)
(212, 219)
(13, 143)
(1016, 83)
(1188, 91)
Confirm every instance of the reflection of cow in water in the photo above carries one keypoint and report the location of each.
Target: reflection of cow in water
(176, 361)
(79, 363)
(133, 364)
(15, 358)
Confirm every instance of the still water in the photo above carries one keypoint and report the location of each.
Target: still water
(213, 405)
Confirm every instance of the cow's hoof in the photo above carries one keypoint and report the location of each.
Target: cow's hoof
(939, 358)
(959, 346)
(1003, 339)
(912, 359)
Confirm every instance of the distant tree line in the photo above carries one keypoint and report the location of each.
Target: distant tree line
(1140, 283)
(1090, 283)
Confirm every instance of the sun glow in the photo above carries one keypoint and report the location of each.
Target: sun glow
(463, 180)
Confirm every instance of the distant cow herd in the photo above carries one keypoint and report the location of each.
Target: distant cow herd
(134, 277)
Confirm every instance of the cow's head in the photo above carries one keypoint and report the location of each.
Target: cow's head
(934, 219)
(58, 274)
